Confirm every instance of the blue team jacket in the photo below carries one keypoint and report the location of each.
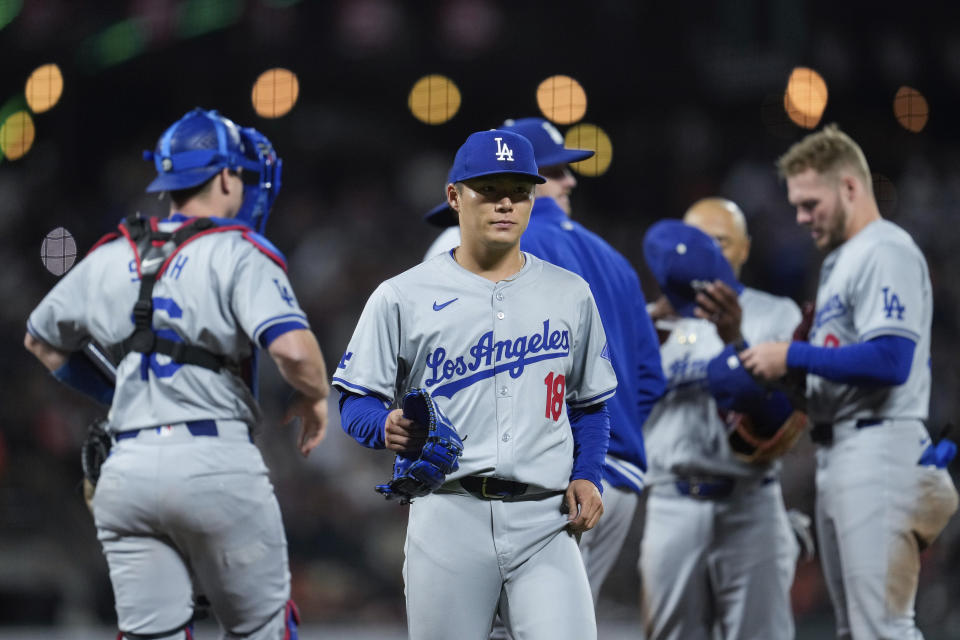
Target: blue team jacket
(631, 338)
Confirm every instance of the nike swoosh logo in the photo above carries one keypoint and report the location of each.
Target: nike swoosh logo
(437, 307)
(146, 264)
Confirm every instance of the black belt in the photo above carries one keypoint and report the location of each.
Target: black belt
(195, 427)
(490, 488)
(711, 487)
(822, 432)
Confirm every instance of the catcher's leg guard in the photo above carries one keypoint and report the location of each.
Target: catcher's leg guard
(292, 618)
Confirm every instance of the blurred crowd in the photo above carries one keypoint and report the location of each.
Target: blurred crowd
(359, 174)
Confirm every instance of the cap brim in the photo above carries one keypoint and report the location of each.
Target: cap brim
(533, 176)
(683, 305)
(563, 156)
(442, 216)
(182, 180)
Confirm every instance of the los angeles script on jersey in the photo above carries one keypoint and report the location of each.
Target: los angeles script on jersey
(510, 355)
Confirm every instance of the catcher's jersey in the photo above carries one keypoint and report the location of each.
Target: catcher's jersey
(872, 285)
(220, 292)
(501, 360)
(684, 433)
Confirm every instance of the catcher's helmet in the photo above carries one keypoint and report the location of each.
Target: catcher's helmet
(202, 143)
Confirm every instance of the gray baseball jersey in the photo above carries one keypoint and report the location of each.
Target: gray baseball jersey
(684, 433)
(220, 292)
(874, 284)
(501, 360)
(876, 505)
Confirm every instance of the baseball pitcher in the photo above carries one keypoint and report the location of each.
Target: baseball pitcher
(513, 354)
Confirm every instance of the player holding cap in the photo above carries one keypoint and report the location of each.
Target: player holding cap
(513, 352)
(883, 493)
(188, 301)
(718, 552)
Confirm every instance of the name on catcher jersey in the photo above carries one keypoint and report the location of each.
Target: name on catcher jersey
(501, 360)
(684, 433)
(875, 284)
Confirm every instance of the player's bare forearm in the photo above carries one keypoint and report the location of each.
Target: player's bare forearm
(51, 357)
(402, 434)
(767, 361)
(300, 362)
(584, 504)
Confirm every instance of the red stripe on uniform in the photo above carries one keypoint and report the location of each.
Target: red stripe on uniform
(113, 235)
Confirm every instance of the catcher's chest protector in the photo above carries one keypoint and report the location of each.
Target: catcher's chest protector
(153, 251)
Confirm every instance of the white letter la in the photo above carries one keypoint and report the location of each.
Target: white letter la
(503, 151)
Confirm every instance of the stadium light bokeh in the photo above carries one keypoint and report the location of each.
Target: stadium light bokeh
(911, 109)
(16, 135)
(44, 88)
(117, 43)
(805, 98)
(561, 99)
(275, 92)
(590, 136)
(58, 251)
(434, 99)
(198, 17)
(9, 9)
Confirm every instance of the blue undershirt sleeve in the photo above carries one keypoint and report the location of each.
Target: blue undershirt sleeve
(884, 360)
(81, 374)
(591, 436)
(363, 417)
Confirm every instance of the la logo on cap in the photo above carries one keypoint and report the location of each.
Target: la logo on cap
(503, 151)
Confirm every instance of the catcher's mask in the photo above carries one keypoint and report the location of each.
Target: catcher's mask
(202, 143)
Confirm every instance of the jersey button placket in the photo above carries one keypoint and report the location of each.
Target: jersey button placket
(503, 391)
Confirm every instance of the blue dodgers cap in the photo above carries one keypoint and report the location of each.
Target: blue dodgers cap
(493, 152)
(547, 142)
(682, 259)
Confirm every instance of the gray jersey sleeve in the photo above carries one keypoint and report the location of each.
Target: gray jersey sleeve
(888, 294)
(262, 298)
(60, 319)
(369, 365)
(592, 379)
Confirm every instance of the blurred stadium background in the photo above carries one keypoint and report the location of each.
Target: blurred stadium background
(366, 100)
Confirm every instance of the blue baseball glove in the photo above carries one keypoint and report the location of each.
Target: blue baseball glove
(417, 474)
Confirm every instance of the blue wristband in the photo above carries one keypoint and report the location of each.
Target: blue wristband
(81, 374)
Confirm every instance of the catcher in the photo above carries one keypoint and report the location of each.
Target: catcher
(718, 553)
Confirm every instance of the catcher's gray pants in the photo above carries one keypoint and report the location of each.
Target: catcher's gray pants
(873, 505)
(717, 564)
(170, 506)
(467, 558)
